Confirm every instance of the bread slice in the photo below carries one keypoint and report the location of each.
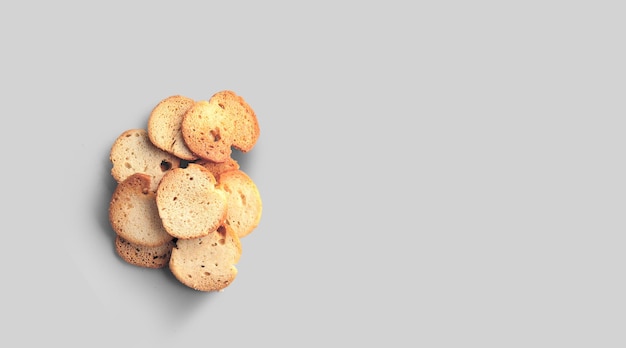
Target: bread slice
(133, 212)
(133, 152)
(207, 263)
(189, 203)
(243, 201)
(217, 168)
(164, 126)
(144, 256)
(210, 128)
(208, 131)
(246, 125)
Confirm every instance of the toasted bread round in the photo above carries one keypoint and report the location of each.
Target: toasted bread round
(133, 152)
(164, 126)
(217, 168)
(210, 128)
(207, 263)
(246, 124)
(144, 256)
(208, 131)
(243, 200)
(133, 212)
(188, 202)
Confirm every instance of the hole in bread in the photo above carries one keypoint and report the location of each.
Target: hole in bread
(216, 134)
(175, 198)
(222, 241)
(165, 166)
(221, 105)
(207, 274)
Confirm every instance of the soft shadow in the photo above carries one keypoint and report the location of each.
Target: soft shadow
(242, 158)
(248, 161)
(103, 198)
(180, 302)
(177, 301)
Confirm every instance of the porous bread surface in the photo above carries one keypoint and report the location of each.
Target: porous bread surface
(217, 168)
(133, 152)
(244, 205)
(208, 131)
(164, 126)
(133, 212)
(181, 199)
(210, 128)
(144, 256)
(189, 203)
(207, 263)
(246, 125)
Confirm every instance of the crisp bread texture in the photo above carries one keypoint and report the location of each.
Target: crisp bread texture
(189, 203)
(246, 125)
(217, 168)
(164, 126)
(207, 263)
(208, 131)
(133, 152)
(243, 200)
(143, 256)
(133, 212)
(210, 128)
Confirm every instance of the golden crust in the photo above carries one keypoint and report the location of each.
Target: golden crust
(133, 212)
(188, 202)
(164, 126)
(133, 152)
(207, 263)
(144, 256)
(210, 128)
(243, 201)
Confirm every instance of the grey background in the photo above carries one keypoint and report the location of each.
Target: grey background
(440, 174)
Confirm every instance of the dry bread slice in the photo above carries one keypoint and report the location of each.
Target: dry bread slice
(133, 152)
(133, 212)
(164, 126)
(207, 263)
(246, 125)
(210, 128)
(189, 203)
(243, 201)
(208, 131)
(144, 256)
(217, 168)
